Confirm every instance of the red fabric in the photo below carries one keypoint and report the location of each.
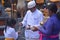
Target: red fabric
(41, 36)
(52, 36)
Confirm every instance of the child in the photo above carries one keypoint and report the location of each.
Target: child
(9, 32)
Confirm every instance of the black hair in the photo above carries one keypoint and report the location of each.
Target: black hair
(44, 6)
(52, 7)
(10, 23)
(58, 14)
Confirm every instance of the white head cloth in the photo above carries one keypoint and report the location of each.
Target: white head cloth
(31, 4)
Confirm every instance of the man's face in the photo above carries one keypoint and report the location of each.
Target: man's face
(32, 9)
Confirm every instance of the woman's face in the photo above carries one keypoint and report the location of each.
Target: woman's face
(50, 13)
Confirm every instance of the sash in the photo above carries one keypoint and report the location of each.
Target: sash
(9, 38)
(51, 36)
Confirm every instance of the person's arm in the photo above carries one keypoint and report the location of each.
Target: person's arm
(47, 27)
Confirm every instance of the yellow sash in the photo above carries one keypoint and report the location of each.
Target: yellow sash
(9, 38)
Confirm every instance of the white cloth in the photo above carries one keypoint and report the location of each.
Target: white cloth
(31, 4)
(32, 19)
(21, 4)
(32, 39)
(10, 33)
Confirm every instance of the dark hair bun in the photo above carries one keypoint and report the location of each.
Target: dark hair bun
(11, 22)
(52, 7)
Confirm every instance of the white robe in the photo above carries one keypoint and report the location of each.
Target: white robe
(32, 19)
(10, 33)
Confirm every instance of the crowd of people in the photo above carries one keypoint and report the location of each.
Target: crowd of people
(33, 22)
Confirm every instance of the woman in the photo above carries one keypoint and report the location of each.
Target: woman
(50, 30)
(9, 32)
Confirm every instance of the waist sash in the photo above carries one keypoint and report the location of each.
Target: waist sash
(51, 36)
(9, 38)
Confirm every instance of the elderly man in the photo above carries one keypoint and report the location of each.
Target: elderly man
(32, 21)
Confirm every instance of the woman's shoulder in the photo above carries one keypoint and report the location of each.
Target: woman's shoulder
(11, 29)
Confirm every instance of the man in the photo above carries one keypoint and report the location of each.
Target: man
(32, 21)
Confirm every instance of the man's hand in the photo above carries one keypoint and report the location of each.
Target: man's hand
(34, 28)
(28, 27)
(20, 24)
